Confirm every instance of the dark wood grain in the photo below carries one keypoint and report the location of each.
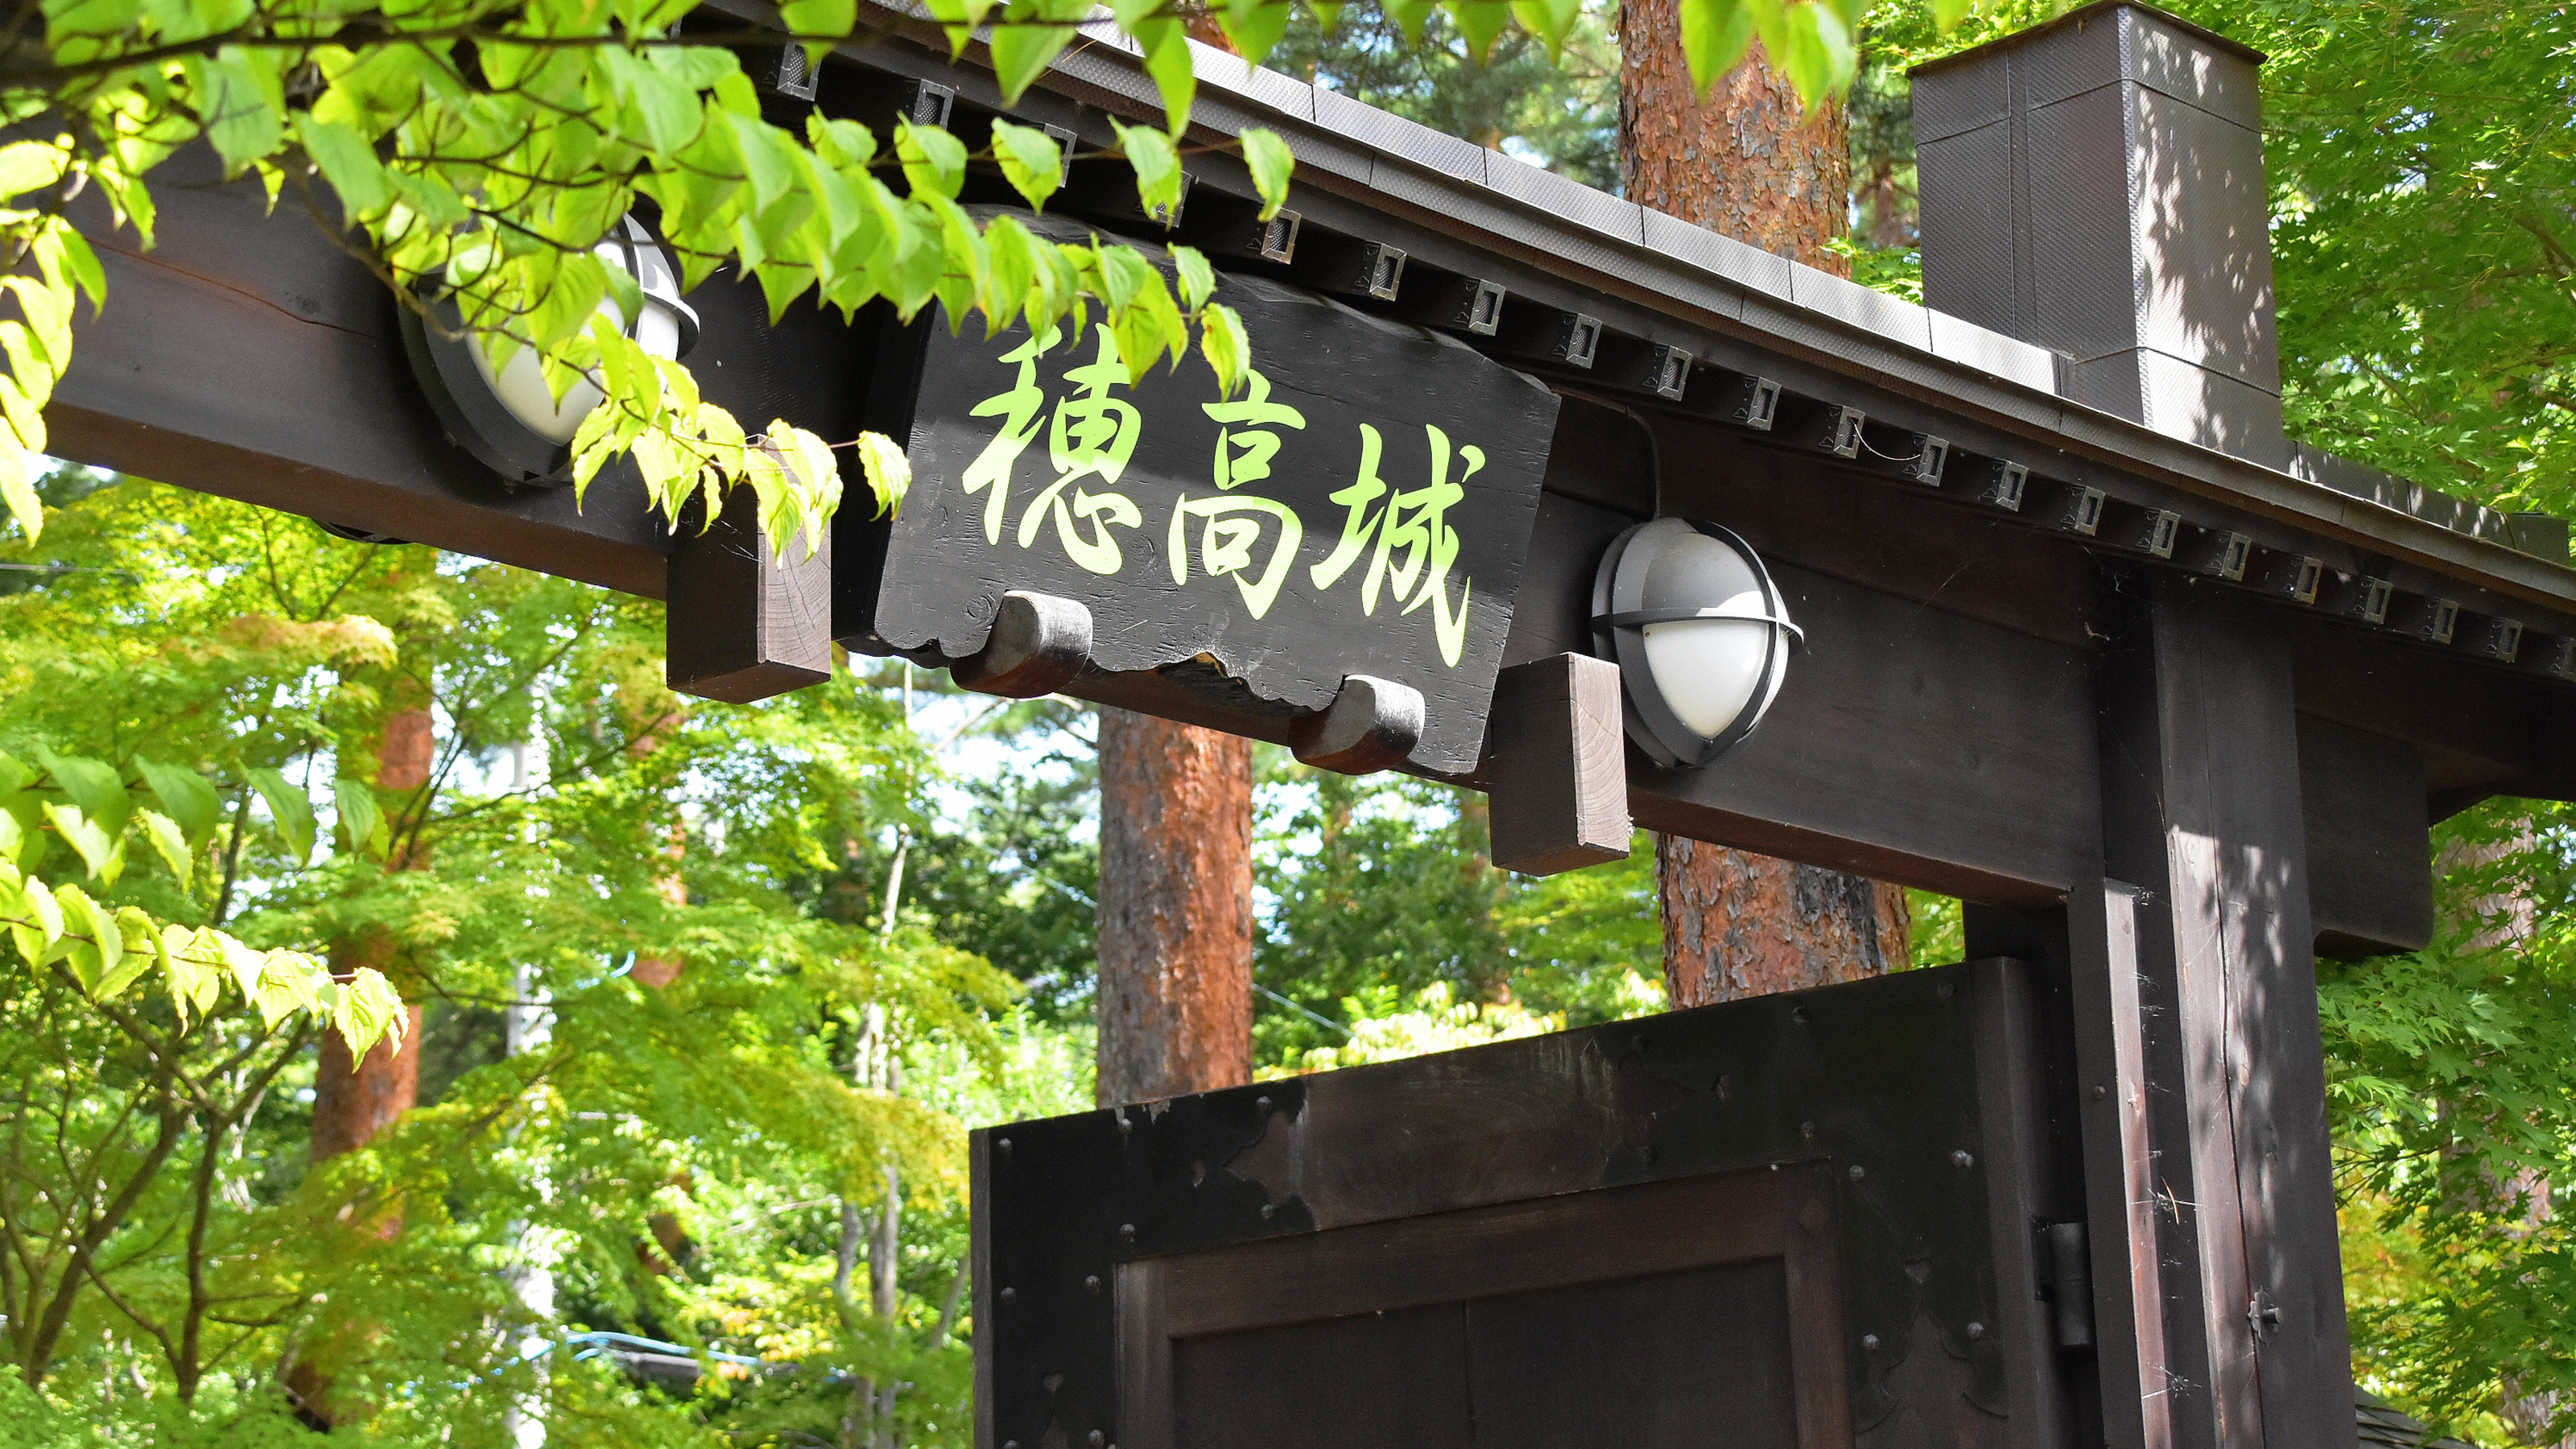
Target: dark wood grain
(1586, 1319)
(1691, 1360)
(2012, 1103)
(743, 622)
(1909, 745)
(1398, 1378)
(2370, 864)
(2204, 732)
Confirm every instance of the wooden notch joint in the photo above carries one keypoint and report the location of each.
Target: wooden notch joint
(1372, 724)
(1038, 644)
(1556, 766)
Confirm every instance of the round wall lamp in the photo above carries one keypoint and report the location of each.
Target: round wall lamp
(1699, 632)
(508, 419)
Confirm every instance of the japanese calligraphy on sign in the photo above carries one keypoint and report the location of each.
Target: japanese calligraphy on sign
(1362, 505)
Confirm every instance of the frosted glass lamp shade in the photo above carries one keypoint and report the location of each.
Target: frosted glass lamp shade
(507, 417)
(1700, 635)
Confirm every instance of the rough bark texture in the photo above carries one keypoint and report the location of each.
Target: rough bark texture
(351, 1106)
(1749, 162)
(1737, 924)
(1175, 909)
(1752, 164)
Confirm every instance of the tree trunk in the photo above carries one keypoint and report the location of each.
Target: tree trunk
(1175, 1002)
(1751, 164)
(352, 1102)
(351, 1105)
(1738, 925)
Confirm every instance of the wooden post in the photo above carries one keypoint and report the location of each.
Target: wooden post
(2202, 1072)
(743, 623)
(1557, 768)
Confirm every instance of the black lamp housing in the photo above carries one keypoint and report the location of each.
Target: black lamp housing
(474, 417)
(1620, 615)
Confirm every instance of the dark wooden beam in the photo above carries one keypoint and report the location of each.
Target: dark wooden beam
(248, 355)
(2370, 865)
(743, 622)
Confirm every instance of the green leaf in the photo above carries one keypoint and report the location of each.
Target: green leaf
(1166, 44)
(1010, 265)
(1715, 35)
(819, 17)
(13, 837)
(1197, 278)
(1031, 161)
(97, 945)
(172, 846)
(1552, 20)
(887, 470)
(1479, 22)
(241, 122)
(368, 1011)
(1328, 14)
(43, 916)
(1813, 46)
(360, 823)
(1021, 53)
(1225, 345)
(347, 162)
(139, 944)
(92, 786)
(1410, 16)
(933, 160)
(289, 808)
(1157, 165)
(195, 979)
(1255, 26)
(186, 795)
(82, 834)
(1267, 156)
(18, 490)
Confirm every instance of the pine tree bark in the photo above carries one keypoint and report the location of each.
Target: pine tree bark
(1175, 996)
(352, 1102)
(1752, 164)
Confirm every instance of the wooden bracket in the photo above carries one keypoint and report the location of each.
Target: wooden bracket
(1372, 724)
(1039, 643)
(743, 624)
(1556, 766)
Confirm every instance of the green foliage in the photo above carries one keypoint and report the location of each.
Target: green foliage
(170, 1244)
(1559, 110)
(2454, 1106)
(1380, 889)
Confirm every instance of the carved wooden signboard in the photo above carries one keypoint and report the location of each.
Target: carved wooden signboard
(1362, 508)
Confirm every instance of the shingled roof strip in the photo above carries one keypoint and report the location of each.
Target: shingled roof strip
(1739, 262)
(1399, 138)
(1959, 340)
(1565, 197)
(2013, 401)
(2360, 480)
(1285, 94)
(1893, 318)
